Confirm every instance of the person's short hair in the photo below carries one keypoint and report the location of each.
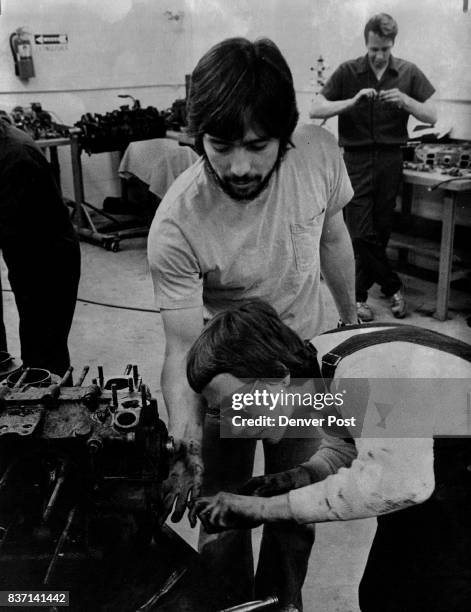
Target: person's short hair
(249, 340)
(382, 25)
(239, 84)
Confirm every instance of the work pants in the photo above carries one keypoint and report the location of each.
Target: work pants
(375, 174)
(285, 549)
(44, 276)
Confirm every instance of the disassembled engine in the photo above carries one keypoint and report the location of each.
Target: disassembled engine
(80, 469)
(115, 130)
(37, 122)
(80, 474)
(457, 155)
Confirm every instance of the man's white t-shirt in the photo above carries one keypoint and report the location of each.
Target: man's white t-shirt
(207, 249)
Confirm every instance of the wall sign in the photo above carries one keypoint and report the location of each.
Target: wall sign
(51, 39)
(51, 42)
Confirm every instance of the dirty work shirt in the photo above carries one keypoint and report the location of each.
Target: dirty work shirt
(381, 479)
(420, 558)
(207, 249)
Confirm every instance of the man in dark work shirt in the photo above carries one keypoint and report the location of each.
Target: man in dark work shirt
(40, 249)
(373, 96)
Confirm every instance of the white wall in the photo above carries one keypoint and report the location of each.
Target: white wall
(435, 34)
(114, 47)
(136, 47)
(119, 43)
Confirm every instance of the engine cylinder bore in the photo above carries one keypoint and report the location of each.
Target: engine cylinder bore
(36, 377)
(124, 420)
(121, 382)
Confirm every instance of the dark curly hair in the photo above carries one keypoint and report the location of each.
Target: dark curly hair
(249, 340)
(239, 83)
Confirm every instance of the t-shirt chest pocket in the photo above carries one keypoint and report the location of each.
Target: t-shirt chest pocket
(306, 239)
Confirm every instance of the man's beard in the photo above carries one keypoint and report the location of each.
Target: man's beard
(250, 186)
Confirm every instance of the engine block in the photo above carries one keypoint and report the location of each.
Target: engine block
(80, 474)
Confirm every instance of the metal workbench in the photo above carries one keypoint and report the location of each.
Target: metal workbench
(450, 188)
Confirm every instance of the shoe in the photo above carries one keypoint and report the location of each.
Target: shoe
(364, 312)
(398, 305)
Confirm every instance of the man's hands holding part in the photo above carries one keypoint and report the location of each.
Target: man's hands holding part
(367, 92)
(184, 481)
(394, 96)
(228, 511)
(224, 510)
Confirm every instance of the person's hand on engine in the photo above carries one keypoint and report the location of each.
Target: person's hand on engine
(183, 483)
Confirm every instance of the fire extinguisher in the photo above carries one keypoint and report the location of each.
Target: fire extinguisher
(20, 46)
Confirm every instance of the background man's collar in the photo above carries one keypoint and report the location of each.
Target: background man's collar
(364, 65)
(393, 66)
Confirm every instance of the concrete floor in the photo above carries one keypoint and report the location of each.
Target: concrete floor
(112, 337)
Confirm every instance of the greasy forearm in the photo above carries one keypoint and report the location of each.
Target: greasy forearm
(275, 509)
(182, 327)
(186, 428)
(388, 474)
(423, 111)
(184, 407)
(338, 268)
(333, 453)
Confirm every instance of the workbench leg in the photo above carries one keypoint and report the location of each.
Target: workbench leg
(446, 255)
(77, 176)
